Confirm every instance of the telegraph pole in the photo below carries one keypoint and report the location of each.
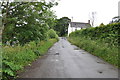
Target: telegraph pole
(72, 19)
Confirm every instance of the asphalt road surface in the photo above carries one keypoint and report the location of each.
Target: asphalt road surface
(64, 60)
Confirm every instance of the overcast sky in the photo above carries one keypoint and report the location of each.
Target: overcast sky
(80, 10)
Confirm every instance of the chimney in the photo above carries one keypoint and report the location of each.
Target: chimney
(89, 21)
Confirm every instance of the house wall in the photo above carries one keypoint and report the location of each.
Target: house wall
(69, 29)
(72, 29)
(77, 26)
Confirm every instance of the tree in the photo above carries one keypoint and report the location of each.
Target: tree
(92, 18)
(26, 21)
(49, 18)
(62, 26)
(101, 24)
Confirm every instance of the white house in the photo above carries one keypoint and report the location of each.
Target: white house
(77, 26)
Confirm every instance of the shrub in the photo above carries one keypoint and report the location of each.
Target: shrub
(52, 34)
(107, 33)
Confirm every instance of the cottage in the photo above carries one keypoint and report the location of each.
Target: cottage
(77, 26)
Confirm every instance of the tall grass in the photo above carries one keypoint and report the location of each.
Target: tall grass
(97, 48)
(15, 58)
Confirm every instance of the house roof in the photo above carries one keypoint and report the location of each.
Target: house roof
(80, 24)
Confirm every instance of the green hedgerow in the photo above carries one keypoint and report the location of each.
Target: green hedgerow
(99, 41)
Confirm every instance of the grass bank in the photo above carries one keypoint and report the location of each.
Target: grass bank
(100, 41)
(15, 58)
(97, 48)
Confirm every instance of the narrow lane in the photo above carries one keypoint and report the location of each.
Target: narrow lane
(64, 60)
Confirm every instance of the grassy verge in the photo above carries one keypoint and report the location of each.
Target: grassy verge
(15, 58)
(0, 61)
(97, 48)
